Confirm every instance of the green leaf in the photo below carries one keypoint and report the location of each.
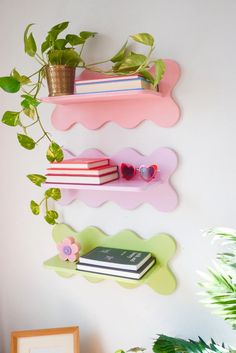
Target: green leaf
(147, 75)
(132, 62)
(45, 45)
(9, 84)
(54, 193)
(166, 344)
(24, 80)
(11, 118)
(85, 34)
(120, 55)
(60, 27)
(119, 351)
(54, 153)
(73, 39)
(67, 57)
(31, 100)
(159, 71)
(37, 179)
(55, 31)
(144, 38)
(51, 216)
(60, 44)
(29, 42)
(26, 141)
(35, 208)
(30, 112)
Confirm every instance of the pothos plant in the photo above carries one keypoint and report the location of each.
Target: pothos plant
(67, 50)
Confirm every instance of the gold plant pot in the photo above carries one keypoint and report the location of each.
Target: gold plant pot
(60, 80)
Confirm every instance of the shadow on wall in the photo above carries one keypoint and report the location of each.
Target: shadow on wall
(91, 343)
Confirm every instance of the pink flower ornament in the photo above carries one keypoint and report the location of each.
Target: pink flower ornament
(68, 249)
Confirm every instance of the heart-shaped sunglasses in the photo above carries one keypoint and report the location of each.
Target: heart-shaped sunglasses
(147, 173)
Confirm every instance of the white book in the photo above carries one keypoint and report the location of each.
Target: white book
(112, 85)
(78, 179)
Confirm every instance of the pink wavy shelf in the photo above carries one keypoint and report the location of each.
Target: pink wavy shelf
(128, 109)
(128, 194)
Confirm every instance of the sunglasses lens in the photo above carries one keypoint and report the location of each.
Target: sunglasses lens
(127, 171)
(148, 173)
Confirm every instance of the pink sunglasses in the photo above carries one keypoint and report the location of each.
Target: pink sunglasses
(147, 173)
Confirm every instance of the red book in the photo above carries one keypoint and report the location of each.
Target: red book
(83, 172)
(81, 163)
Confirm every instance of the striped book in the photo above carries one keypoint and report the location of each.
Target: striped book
(112, 84)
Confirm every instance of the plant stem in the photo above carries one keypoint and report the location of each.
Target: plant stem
(42, 201)
(40, 124)
(42, 137)
(82, 47)
(41, 60)
(26, 126)
(98, 63)
(46, 203)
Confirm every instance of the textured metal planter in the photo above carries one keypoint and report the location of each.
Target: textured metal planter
(60, 79)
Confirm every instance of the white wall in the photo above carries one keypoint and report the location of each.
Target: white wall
(200, 36)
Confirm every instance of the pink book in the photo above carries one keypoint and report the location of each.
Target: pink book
(78, 171)
(81, 163)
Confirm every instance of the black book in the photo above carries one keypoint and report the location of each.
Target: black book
(116, 258)
(133, 274)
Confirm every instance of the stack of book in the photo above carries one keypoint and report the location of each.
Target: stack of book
(116, 262)
(112, 84)
(92, 171)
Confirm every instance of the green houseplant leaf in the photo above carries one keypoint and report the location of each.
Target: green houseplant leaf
(57, 29)
(73, 39)
(9, 84)
(54, 153)
(120, 55)
(11, 118)
(51, 217)
(144, 38)
(26, 141)
(67, 57)
(54, 193)
(30, 100)
(60, 44)
(146, 74)
(86, 34)
(24, 80)
(35, 208)
(37, 179)
(132, 62)
(159, 71)
(29, 41)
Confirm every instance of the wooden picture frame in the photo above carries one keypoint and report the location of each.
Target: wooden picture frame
(53, 340)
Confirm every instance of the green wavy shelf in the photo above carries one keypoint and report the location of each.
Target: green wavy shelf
(162, 246)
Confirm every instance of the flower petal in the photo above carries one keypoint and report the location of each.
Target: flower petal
(63, 256)
(72, 257)
(68, 241)
(74, 248)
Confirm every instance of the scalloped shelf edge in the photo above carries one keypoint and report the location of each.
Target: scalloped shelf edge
(126, 109)
(160, 277)
(160, 194)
